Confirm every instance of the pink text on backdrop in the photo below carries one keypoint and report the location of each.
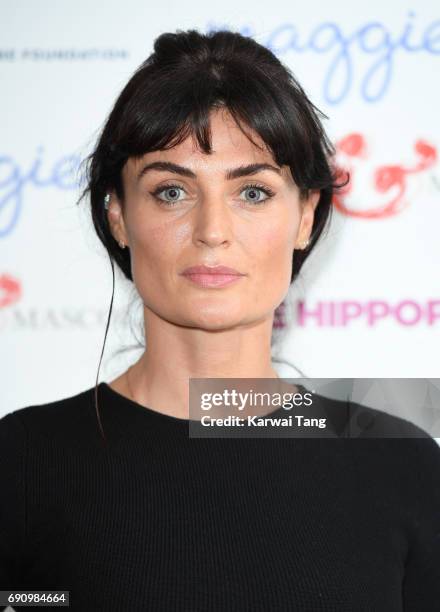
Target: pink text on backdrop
(371, 313)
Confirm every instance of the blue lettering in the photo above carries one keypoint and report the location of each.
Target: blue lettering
(372, 39)
(14, 180)
(432, 36)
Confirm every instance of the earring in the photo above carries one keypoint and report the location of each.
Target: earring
(121, 244)
(305, 243)
(107, 201)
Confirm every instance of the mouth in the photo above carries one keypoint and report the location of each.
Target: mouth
(212, 276)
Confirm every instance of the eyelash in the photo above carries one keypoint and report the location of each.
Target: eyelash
(266, 190)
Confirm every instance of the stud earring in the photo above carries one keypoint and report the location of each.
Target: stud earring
(121, 244)
(305, 243)
(107, 201)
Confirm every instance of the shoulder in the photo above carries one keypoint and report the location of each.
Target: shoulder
(371, 422)
(390, 455)
(399, 444)
(67, 416)
(354, 420)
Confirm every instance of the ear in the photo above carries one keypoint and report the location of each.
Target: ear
(307, 216)
(116, 219)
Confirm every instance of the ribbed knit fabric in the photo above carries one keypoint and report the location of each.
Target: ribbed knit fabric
(160, 521)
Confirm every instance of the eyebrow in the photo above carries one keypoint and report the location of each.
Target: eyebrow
(184, 171)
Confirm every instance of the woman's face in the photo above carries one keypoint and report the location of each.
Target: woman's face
(198, 215)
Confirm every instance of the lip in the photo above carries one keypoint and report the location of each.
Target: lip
(212, 276)
(211, 270)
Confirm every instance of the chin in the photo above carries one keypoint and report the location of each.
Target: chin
(213, 321)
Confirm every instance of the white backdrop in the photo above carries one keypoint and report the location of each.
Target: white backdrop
(371, 67)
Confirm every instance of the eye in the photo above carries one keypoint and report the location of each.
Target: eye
(254, 193)
(173, 191)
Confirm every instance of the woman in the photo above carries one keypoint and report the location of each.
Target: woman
(212, 157)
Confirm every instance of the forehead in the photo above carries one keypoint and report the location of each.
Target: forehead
(230, 147)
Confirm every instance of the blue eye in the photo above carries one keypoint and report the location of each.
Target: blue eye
(254, 189)
(171, 188)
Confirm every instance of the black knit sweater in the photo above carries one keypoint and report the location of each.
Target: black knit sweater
(157, 520)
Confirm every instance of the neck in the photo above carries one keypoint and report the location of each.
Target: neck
(160, 378)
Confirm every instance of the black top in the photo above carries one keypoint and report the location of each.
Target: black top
(157, 520)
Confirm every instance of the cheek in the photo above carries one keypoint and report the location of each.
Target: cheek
(171, 233)
(273, 244)
(152, 249)
(156, 256)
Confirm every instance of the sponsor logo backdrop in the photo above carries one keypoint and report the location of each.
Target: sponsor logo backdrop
(368, 301)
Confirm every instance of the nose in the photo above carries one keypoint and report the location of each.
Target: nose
(212, 222)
